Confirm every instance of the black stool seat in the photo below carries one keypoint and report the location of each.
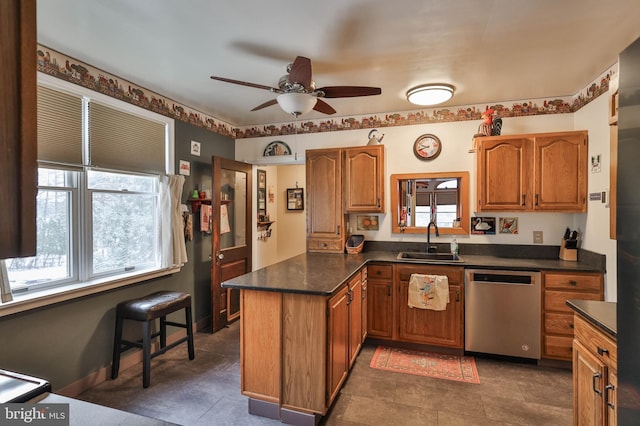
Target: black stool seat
(146, 309)
(153, 306)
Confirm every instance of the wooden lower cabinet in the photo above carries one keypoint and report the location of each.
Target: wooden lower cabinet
(557, 317)
(380, 301)
(338, 341)
(296, 349)
(425, 326)
(595, 377)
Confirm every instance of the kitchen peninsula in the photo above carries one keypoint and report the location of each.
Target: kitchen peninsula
(303, 320)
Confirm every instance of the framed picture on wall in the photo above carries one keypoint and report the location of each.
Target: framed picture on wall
(262, 193)
(295, 199)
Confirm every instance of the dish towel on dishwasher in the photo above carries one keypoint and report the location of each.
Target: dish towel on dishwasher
(429, 292)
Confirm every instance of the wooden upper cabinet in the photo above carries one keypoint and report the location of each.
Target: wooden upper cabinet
(325, 220)
(364, 179)
(18, 137)
(533, 172)
(503, 174)
(560, 168)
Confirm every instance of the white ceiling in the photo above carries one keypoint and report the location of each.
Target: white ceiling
(490, 50)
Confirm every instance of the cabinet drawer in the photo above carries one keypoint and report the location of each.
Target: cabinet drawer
(453, 273)
(324, 245)
(558, 323)
(580, 282)
(380, 271)
(556, 300)
(559, 347)
(597, 342)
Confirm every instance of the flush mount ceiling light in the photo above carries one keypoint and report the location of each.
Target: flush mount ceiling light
(296, 103)
(430, 94)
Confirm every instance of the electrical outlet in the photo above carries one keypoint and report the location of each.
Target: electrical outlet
(537, 237)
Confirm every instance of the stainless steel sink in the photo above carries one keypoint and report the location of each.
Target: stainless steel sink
(416, 256)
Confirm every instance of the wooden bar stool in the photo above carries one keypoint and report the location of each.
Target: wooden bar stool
(146, 310)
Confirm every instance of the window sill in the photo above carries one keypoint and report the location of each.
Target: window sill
(22, 303)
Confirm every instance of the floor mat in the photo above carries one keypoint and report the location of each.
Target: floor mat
(440, 366)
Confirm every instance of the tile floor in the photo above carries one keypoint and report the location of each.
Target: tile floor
(206, 391)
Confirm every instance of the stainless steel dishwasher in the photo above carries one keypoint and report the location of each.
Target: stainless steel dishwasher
(502, 312)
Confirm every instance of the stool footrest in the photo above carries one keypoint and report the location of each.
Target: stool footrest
(169, 346)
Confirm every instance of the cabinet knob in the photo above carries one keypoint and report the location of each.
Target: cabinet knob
(602, 351)
(573, 283)
(524, 196)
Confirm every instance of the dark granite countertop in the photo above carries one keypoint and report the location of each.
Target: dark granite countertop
(600, 314)
(323, 273)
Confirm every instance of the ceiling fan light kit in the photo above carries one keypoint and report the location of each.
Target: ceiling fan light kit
(296, 103)
(298, 93)
(430, 94)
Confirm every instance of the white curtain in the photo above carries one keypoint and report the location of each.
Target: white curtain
(5, 289)
(174, 248)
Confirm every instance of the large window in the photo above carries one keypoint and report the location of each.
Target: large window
(101, 205)
(106, 227)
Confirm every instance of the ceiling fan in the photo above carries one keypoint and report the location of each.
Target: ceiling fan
(297, 92)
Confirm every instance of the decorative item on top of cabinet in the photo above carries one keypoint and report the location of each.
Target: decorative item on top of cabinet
(595, 375)
(557, 317)
(532, 172)
(18, 108)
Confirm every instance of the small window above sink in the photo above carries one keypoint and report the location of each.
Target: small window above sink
(416, 256)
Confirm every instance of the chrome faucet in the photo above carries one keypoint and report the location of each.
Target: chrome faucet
(430, 248)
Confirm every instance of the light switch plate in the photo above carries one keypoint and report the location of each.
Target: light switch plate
(537, 237)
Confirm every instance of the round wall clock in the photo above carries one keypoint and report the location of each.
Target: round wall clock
(427, 147)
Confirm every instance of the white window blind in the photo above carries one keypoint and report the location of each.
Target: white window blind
(59, 127)
(122, 141)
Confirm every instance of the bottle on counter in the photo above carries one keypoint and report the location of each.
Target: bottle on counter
(454, 247)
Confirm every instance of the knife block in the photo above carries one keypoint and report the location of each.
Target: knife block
(570, 254)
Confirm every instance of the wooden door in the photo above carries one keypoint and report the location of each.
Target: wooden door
(364, 179)
(503, 174)
(589, 375)
(338, 328)
(231, 235)
(560, 172)
(325, 220)
(611, 399)
(355, 317)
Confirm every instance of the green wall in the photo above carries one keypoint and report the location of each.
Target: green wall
(68, 341)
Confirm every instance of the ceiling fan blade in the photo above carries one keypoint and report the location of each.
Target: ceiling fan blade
(244, 83)
(266, 104)
(301, 71)
(349, 91)
(323, 107)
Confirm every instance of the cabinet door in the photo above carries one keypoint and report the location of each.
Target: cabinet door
(355, 317)
(364, 317)
(325, 222)
(441, 328)
(503, 180)
(18, 139)
(338, 327)
(560, 172)
(589, 375)
(364, 179)
(380, 301)
(611, 399)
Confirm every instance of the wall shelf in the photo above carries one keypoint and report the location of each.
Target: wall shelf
(196, 202)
